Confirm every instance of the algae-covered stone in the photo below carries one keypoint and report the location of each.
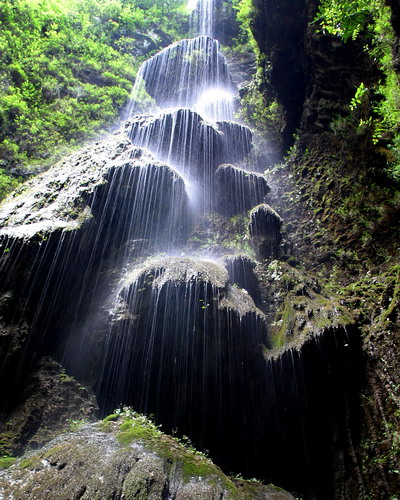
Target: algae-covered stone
(265, 231)
(92, 463)
(146, 480)
(56, 199)
(103, 181)
(303, 309)
(180, 270)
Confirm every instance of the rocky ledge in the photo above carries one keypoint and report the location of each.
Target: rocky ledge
(124, 457)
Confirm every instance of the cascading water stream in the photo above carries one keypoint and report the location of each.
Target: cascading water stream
(202, 20)
(181, 342)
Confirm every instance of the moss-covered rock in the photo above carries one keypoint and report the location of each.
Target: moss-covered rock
(95, 462)
(239, 190)
(56, 199)
(52, 402)
(299, 306)
(265, 231)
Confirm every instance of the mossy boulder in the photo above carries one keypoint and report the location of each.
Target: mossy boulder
(239, 190)
(265, 231)
(57, 199)
(302, 308)
(100, 461)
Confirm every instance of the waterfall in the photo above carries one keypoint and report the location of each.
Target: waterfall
(177, 337)
(111, 284)
(190, 73)
(202, 20)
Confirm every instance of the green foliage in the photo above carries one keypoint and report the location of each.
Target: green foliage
(67, 68)
(7, 183)
(6, 462)
(357, 100)
(344, 18)
(347, 19)
(244, 14)
(258, 109)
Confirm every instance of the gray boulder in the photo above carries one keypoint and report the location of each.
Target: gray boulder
(124, 457)
(239, 190)
(265, 231)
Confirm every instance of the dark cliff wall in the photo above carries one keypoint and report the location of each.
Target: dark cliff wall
(312, 75)
(279, 29)
(340, 214)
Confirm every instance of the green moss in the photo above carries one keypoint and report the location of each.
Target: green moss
(29, 463)
(305, 310)
(6, 462)
(75, 425)
(106, 425)
(54, 450)
(111, 418)
(130, 431)
(131, 426)
(286, 324)
(196, 467)
(6, 441)
(63, 377)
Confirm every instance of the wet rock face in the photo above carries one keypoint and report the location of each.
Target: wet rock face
(179, 74)
(141, 201)
(305, 64)
(279, 29)
(241, 274)
(126, 459)
(57, 199)
(239, 190)
(85, 185)
(194, 146)
(59, 232)
(265, 231)
(49, 403)
(184, 346)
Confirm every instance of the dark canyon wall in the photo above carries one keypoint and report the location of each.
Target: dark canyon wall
(340, 216)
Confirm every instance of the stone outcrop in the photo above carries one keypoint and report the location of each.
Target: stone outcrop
(265, 231)
(239, 190)
(194, 146)
(304, 64)
(61, 199)
(60, 230)
(301, 308)
(241, 274)
(177, 342)
(335, 162)
(50, 403)
(124, 458)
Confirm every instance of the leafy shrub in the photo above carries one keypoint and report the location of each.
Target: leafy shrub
(66, 70)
